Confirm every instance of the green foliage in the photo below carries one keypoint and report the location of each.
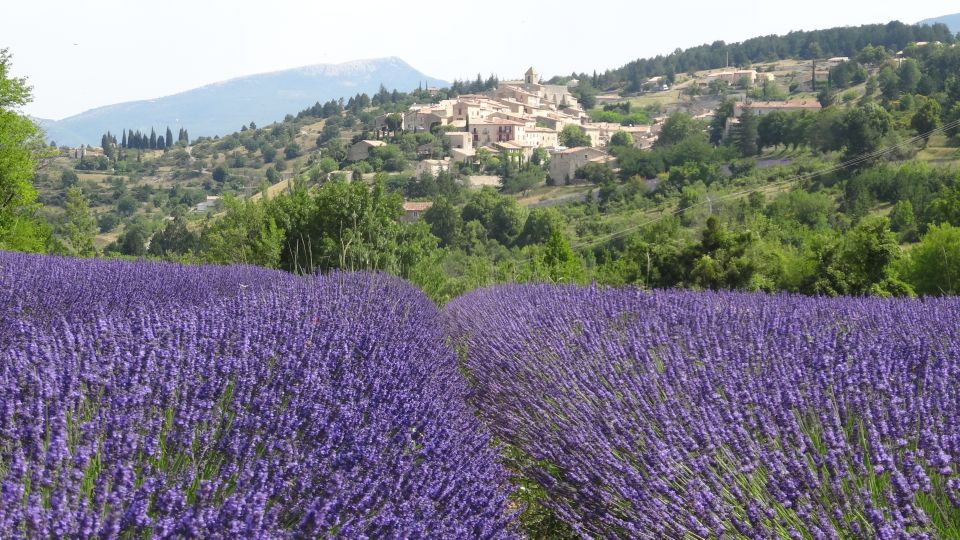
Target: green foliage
(862, 129)
(133, 241)
(935, 263)
(719, 261)
(107, 222)
(245, 234)
(20, 144)
(524, 180)
(889, 83)
(541, 223)
(445, 222)
(908, 75)
(389, 157)
(596, 173)
(768, 91)
(78, 227)
(346, 225)
(847, 74)
(573, 136)
(219, 173)
(292, 150)
(746, 134)
(677, 127)
(557, 262)
(926, 118)
(174, 239)
(622, 138)
(862, 262)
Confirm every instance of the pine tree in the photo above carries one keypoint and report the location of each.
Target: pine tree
(747, 132)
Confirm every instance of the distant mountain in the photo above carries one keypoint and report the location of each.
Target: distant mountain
(952, 21)
(221, 108)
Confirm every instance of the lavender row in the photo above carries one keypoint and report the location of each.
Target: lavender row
(701, 415)
(233, 403)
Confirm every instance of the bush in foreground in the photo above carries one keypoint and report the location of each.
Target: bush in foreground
(701, 415)
(141, 399)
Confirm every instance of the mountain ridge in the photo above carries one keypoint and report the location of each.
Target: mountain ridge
(952, 21)
(221, 107)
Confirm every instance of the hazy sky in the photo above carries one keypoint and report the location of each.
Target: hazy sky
(80, 55)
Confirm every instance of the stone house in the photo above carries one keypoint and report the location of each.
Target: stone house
(564, 163)
(360, 150)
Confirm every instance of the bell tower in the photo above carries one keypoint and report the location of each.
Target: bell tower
(531, 77)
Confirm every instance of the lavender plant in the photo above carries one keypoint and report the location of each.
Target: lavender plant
(705, 415)
(141, 400)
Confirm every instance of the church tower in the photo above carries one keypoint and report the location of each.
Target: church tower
(531, 77)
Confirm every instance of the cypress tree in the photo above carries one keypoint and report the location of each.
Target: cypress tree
(169, 139)
(153, 139)
(123, 142)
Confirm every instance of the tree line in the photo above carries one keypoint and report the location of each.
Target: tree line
(832, 42)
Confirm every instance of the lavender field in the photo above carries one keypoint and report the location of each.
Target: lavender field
(156, 400)
(703, 415)
(143, 399)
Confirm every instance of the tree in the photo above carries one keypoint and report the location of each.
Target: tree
(861, 262)
(175, 238)
(20, 144)
(621, 138)
(558, 262)
(445, 222)
(863, 129)
(245, 234)
(107, 222)
(153, 139)
(507, 221)
(718, 126)
(587, 95)
(127, 205)
(596, 173)
(772, 129)
(394, 122)
(168, 142)
(480, 205)
(68, 179)
(926, 119)
(540, 224)
(676, 128)
(719, 261)
(573, 136)
(524, 180)
(132, 241)
(745, 136)
(268, 152)
(935, 262)
(908, 75)
(77, 226)
(291, 151)
(889, 83)
(219, 173)
(903, 220)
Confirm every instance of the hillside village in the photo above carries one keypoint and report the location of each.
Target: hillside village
(514, 119)
(520, 116)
